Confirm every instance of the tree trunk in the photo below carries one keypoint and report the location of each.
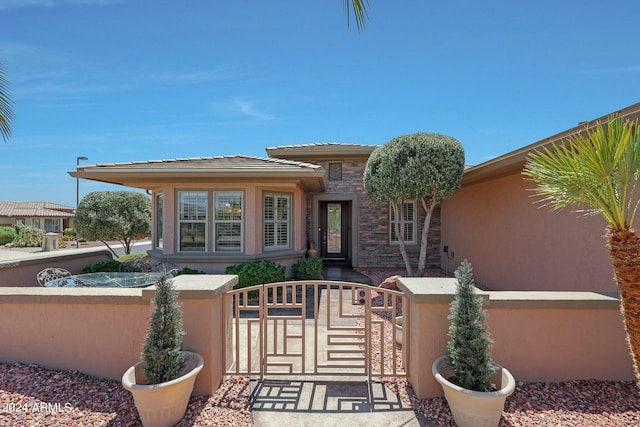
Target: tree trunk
(624, 250)
(424, 239)
(400, 235)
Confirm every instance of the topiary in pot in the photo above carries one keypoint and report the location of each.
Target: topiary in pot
(469, 338)
(162, 382)
(467, 373)
(162, 350)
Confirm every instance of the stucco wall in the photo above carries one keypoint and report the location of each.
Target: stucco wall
(100, 331)
(538, 336)
(23, 272)
(515, 244)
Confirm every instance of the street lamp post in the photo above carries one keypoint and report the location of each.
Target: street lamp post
(78, 195)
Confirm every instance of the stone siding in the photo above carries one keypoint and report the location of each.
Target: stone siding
(375, 250)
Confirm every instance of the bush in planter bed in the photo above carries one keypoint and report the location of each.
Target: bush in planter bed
(7, 235)
(108, 265)
(257, 273)
(308, 268)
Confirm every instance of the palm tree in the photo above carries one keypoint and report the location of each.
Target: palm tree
(6, 107)
(359, 11)
(596, 172)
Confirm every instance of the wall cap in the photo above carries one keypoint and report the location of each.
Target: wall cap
(441, 290)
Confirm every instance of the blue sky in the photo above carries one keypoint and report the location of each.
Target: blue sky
(130, 80)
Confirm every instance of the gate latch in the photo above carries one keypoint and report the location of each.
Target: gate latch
(360, 297)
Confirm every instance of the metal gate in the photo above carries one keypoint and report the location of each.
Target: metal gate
(314, 328)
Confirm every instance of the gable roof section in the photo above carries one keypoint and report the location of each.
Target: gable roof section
(239, 168)
(321, 151)
(514, 161)
(35, 209)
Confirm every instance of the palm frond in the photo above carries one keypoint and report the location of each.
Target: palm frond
(360, 13)
(597, 168)
(6, 107)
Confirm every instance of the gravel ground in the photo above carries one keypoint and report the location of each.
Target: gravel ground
(33, 396)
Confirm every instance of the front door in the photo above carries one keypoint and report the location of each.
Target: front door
(335, 226)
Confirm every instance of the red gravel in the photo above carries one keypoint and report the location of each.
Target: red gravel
(33, 396)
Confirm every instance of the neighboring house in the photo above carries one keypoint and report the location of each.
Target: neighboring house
(211, 212)
(50, 217)
(517, 244)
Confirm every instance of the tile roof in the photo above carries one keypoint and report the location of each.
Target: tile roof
(239, 161)
(35, 209)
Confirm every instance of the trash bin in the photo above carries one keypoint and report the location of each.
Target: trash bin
(51, 242)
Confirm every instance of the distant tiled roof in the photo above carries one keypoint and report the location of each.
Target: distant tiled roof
(34, 209)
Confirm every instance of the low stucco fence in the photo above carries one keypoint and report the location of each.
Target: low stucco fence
(22, 272)
(539, 336)
(99, 331)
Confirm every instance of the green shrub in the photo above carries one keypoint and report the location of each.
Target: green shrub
(257, 273)
(163, 343)
(7, 235)
(469, 338)
(308, 268)
(69, 232)
(187, 270)
(28, 236)
(108, 265)
(135, 262)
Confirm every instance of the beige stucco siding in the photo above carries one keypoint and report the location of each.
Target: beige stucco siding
(514, 244)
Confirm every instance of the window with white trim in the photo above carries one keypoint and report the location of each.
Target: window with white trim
(159, 219)
(192, 221)
(228, 221)
(277, 221)
(408, 222)
(51, 225)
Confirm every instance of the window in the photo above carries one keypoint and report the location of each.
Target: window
(335, 171)
(277, 221)
(51, 225)
(192, 220)
(159, 211)
(408, 222)
(20, 221)
(228, 221)
(35, 222)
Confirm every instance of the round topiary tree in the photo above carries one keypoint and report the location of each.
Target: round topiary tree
(124, 216)
(426, 167)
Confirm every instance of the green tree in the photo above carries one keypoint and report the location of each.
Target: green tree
(6, 107)
(426, 167)
(469, 338)
(595, 172)
(124, 216)
(162, 348)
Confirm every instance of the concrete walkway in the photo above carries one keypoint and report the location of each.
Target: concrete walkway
(279, 403)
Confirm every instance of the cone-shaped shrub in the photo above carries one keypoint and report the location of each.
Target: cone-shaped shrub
(469, 337)
(162, 350)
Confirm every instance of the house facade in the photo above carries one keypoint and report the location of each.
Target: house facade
(517, 244)
(50, 217)
(212, 212)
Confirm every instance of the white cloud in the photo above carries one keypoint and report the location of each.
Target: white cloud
(244, 107)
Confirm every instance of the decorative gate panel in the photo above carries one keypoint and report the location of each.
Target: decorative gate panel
(318, 328)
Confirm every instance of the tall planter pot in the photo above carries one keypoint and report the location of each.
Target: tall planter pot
(163, 404)
(474, 408)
